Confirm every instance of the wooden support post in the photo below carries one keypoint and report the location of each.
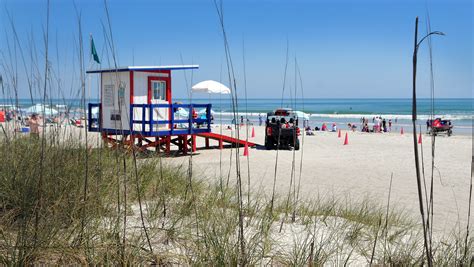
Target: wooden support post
(157, 144)
(193, 141)
(207, 142)
(168, 144)
(184, 140)
(140, 141)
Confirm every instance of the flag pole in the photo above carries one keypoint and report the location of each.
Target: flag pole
(90, 66)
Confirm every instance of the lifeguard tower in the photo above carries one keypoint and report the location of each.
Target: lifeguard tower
(136, 110)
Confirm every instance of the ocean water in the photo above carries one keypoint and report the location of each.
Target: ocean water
(343, 111)
(340, 111)
(454, 109)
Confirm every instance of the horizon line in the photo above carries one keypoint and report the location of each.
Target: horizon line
(262, 98)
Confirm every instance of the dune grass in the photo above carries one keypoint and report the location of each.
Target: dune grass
(52, 223)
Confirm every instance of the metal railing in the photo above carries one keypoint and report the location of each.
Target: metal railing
(143, 116)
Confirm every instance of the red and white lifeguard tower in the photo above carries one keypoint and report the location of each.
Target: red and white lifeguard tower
(136, 109)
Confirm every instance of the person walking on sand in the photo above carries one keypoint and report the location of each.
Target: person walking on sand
(33, 122)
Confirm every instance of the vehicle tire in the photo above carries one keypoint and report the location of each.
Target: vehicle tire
(450, 132)
(297, 144)
(268, 144)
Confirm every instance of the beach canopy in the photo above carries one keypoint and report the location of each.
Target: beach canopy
(210, 87)
(301, 114)
(203, 112)
(181, 112)
(41, 109)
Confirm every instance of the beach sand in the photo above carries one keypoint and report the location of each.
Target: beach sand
(359, 170)
(355, 171)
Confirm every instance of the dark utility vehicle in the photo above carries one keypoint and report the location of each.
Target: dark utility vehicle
(281, 128)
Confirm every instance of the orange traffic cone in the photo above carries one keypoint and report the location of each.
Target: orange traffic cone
(419, 139)
(246, 150)
(253, 132)
(221, 146)
(339, 133)
(346, 140)
(401, 131)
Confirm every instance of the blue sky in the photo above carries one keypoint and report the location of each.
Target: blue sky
(343, 48)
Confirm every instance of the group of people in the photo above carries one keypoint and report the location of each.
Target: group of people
(9, 114)
(323, 128)
(34, 121)
(378, 125)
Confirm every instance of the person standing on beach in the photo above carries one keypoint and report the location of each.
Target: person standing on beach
(260, 119)
(384, 125)
(390, 125)
(33, 122)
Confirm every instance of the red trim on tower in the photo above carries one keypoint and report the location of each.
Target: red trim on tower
(168, 96)
(168, 87)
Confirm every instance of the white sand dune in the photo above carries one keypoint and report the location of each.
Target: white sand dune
(355, 171)
(360, 169)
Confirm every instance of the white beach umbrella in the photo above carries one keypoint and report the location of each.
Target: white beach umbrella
(210, 87)
(301, 114)
(41, 109)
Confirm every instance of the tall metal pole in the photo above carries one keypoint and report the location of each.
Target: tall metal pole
(415, 146)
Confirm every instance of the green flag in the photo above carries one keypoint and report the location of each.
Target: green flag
(94, 52)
